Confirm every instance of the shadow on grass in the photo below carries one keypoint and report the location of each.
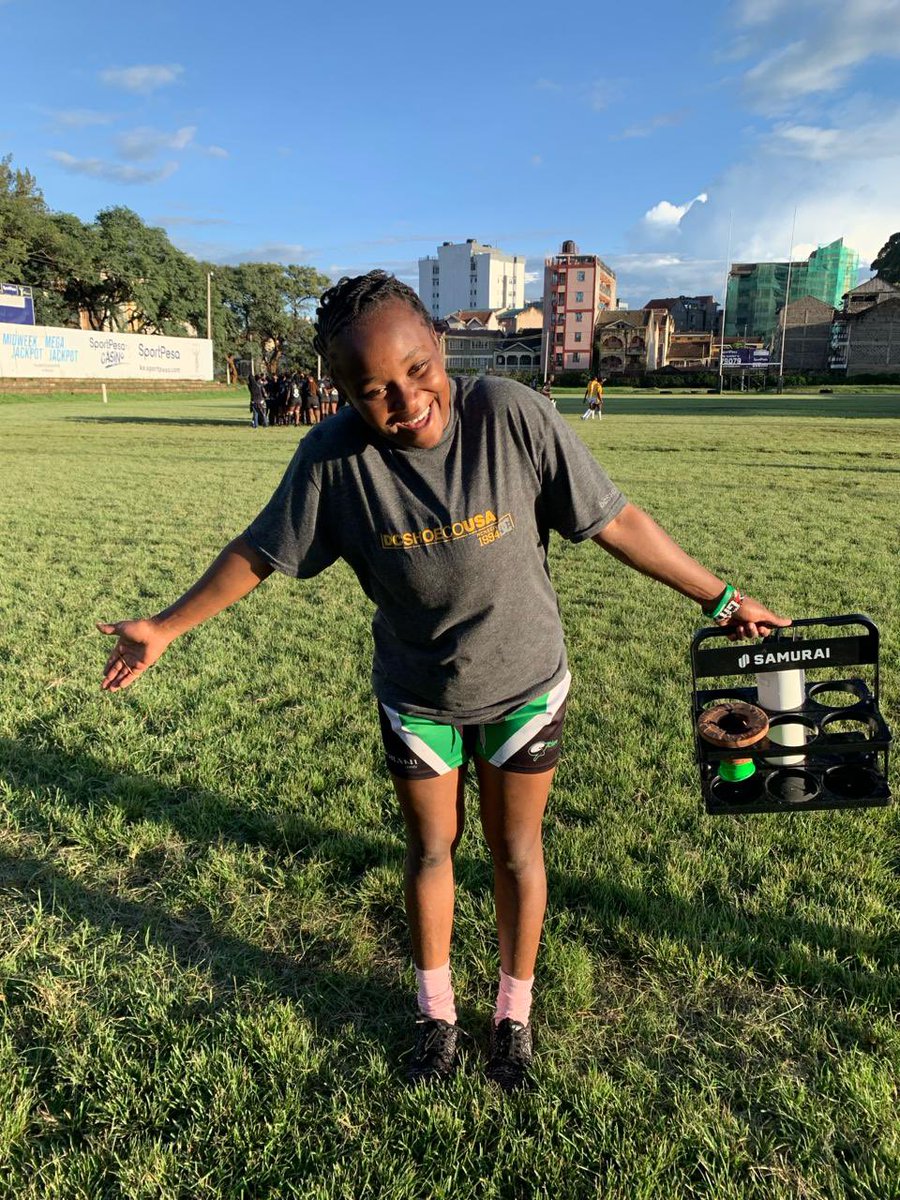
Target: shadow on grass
(230, 422)
(330, 996)
(827, 959)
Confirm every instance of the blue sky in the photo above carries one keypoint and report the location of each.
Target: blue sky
(356, 135)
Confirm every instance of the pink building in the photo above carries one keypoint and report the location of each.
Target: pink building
(577, 287)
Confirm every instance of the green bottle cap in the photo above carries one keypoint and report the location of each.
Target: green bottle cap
(734, 772)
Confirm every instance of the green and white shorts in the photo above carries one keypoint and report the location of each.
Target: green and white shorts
(527, 740)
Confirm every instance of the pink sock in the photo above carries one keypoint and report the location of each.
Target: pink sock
(513, 999)
(435, 996)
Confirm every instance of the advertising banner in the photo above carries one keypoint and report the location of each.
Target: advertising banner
(747, 357)
(43, 351)
(16, 304)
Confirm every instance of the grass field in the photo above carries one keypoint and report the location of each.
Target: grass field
(206, 988)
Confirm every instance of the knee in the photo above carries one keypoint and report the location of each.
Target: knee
(518, 858)
(428, 856)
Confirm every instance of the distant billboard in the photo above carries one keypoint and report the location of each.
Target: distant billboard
(745, 357)
(16, 304)
(47, 352)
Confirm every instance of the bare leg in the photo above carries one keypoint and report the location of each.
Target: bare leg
(433, 812)
(512, 809)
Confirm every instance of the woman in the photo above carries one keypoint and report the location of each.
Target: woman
(441, 496)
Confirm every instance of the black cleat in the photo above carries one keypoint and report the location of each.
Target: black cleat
(435, 1055)
(512, 1052)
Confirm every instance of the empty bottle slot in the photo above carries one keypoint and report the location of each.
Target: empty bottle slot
(851, 781)
(792, 785)
(838, 693)
(745, 791)
(841, 727)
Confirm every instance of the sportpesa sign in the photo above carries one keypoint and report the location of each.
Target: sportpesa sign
(40, 351)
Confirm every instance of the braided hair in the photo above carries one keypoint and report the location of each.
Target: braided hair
(350, 298)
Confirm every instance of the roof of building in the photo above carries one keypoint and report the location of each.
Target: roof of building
(670, 301)
(876, 311)
(873, 286)
(809, 302)
(473, 314)
(514, 312)
(637, 317)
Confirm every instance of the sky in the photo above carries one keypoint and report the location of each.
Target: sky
(357, 135)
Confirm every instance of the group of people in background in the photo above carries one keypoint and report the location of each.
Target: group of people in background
(291, 399)
(298, 399)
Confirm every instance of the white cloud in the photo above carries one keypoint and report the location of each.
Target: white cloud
(271, 252)
(536, 160)
(548, 85)
(141, 79)
(215, 151)
(143, 143)
(832, 155)
(817, 53)
(598, 94)
(80, 118)
(99, 168)
(645, 128)
(855, 133)
(669, 215)
(643, 276)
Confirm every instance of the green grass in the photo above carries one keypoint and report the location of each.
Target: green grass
(206, 988)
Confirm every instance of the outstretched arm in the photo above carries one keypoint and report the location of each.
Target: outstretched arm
(235, 573)
(636, 540)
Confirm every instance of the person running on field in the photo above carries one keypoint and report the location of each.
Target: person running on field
(441, 495)
(594, 399)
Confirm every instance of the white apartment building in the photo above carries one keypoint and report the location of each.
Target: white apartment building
(467, 275)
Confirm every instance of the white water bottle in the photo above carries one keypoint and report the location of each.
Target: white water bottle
(780, 692)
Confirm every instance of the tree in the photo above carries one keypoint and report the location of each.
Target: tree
(148, 285)
(887, 265)
(119, 273)
(23, 218)
(272, 305)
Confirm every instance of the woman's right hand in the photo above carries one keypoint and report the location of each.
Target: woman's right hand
(139, 644)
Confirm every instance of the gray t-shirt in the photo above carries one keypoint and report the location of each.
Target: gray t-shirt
(449, 543)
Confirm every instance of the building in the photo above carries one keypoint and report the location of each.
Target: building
(467, 275)
(805, 325)
(474, 350)
(757, 291)
(473, 318)
(865, 335)
(690, 314)
(693, 351)
(633, 341)
(873, 291)
(516, 320)
(577, 288)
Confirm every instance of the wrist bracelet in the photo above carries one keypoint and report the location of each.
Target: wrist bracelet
(730, 607)
(723, 608)
(714, 607)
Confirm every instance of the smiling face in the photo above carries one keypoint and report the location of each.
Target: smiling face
(388, 364)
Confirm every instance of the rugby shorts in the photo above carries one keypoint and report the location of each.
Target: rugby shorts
(526, 740)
